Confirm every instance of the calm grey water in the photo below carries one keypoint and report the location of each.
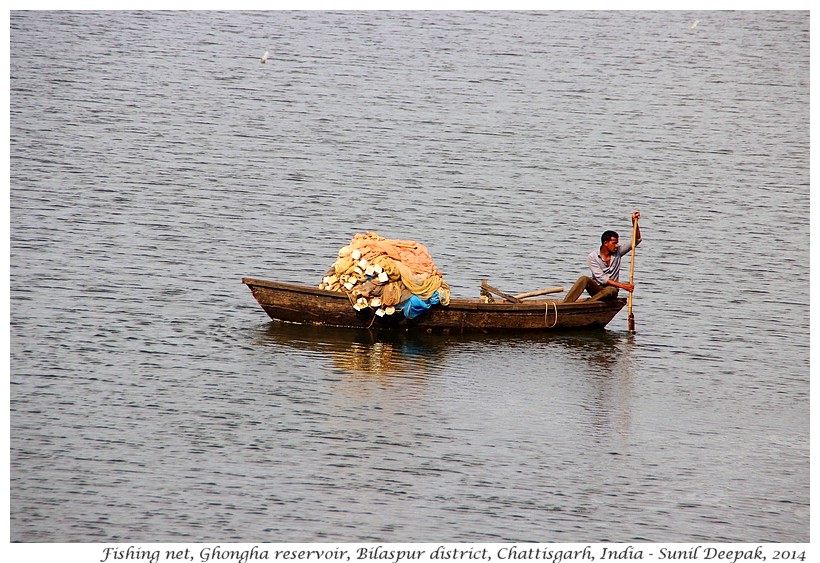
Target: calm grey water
(155, 161)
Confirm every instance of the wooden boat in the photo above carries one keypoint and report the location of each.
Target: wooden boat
(309, 305)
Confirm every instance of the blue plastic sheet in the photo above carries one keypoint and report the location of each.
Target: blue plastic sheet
(415, 306)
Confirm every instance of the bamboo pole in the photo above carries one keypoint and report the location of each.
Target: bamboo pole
(539, 292)
(631, 317)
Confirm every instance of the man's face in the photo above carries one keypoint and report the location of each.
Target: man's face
(612, 244)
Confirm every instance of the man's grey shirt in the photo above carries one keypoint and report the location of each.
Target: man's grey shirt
(602, 273)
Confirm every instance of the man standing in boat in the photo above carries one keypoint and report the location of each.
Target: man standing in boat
(605, 266)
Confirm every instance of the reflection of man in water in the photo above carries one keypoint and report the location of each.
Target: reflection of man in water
(605, 266)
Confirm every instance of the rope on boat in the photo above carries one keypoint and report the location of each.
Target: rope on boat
(546, 310)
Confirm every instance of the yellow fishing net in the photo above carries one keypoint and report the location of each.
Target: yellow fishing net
(381, 273)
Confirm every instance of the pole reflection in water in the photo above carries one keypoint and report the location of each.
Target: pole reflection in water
(610, 375)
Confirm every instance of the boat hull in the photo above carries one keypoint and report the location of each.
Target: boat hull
(307, 305)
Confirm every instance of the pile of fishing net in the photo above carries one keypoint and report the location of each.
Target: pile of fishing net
(387, 276)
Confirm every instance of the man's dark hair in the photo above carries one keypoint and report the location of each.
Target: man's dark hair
(608, 235)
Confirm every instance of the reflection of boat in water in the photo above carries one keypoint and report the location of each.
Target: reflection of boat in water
(361, 350)
(406, 366)
(307, 305)
(390, 352)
